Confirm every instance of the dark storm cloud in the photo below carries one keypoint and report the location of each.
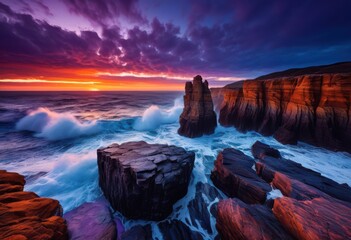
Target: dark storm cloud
(105, 12)
(227, 38)
(259, 35)
(30, 41)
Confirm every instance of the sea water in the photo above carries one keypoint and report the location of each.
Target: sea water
(52, 138)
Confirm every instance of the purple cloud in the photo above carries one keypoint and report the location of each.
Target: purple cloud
(231, 38)
(106, 12)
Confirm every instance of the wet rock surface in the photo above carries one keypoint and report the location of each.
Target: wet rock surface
(24, 215)
(206, 198)
(312, 206)
(143, 181)
(175, 229)
(268, 168)
(91, 221)
(237, 220)
(198, 117)
(318, 218)
(260, 150)
(233, 174)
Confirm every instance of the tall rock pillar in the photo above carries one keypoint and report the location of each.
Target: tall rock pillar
(198, 117)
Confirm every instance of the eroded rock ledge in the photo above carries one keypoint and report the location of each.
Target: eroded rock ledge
(24, 215)
(143, 181)
(309, 106)
(312, 206)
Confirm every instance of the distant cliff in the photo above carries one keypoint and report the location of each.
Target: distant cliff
(310, 105)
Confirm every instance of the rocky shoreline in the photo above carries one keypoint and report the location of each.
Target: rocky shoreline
(25, 215)
(142, 181)
(311, 206)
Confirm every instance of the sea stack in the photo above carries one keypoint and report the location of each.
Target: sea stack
(198, 117)
(143, 181)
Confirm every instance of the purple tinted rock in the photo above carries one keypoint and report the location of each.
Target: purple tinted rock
(91, 221)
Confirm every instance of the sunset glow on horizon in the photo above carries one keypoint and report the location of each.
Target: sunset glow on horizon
(79, 45)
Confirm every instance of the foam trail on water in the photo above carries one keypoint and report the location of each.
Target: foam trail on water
(56, 126)
(155, 116)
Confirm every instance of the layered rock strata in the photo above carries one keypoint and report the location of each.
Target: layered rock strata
(233, 174)
(24, 215)
(318, 218)
(143, 181)
(313, 107)
(237, 220)
(198, 117)
(285, 172)
(312, 206)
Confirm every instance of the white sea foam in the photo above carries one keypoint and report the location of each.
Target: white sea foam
(154, 116)
(56, 126)
(72, 180)
(275, 193)
(72, 172)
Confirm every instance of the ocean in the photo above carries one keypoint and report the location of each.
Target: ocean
(52, 138)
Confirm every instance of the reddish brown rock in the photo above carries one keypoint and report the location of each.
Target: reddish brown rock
(11, 178)
(237, 220)
(24, 215)
(7, 188)
(143, 180)
(198, 116)
(17, 196)
(52, 228)
(269, 167)
(318, 218)
(310, 106)
(233, 174)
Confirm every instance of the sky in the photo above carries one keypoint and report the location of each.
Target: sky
(158, 45)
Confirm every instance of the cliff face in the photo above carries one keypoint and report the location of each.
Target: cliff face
(313, 108)
(198, 117)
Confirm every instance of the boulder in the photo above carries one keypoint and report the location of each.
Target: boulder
(237, 220)
(234, 175)
(198, 116)
(318, 218)
(24, 215)
(143, 181)
(260, 150)
(91, 221)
